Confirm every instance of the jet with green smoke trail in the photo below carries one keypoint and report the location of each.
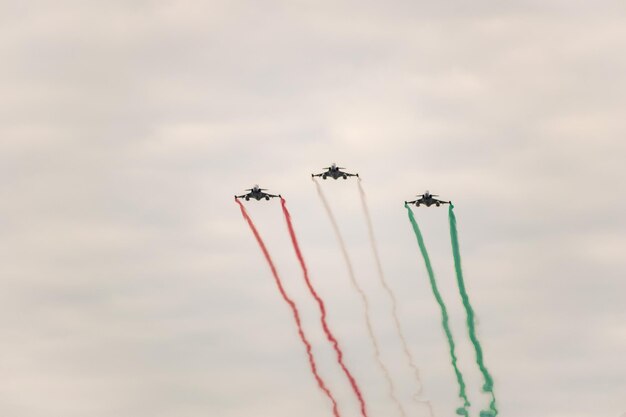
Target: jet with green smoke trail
(427, 199)
(444, 314)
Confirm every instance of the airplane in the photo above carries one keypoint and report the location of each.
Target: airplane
(257, 193)
(334, 172)
(428, 200)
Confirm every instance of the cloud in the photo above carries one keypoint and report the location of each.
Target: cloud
(132, 287)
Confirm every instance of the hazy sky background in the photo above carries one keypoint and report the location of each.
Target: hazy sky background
(130, 285)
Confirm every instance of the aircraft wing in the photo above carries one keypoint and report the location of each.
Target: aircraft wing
(441, 201)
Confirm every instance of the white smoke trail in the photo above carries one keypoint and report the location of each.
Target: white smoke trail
(359, 290)
(394, 303)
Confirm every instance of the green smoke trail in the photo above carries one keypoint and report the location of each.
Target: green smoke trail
(444, 314)
(488, 385)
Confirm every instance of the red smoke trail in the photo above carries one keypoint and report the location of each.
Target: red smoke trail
(320, 303)
(294, 309)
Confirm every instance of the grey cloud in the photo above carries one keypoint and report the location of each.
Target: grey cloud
(130, 285)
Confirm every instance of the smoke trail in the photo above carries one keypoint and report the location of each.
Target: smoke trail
(364, 300)
(329, 335)
(444, 313)
(294, 310)
(392, 297)
(488, 385)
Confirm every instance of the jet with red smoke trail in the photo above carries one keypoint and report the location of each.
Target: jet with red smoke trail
(257, 193)
(334, 172)
(427, 199)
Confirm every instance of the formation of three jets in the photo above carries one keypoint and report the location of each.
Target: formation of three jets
(427, 199)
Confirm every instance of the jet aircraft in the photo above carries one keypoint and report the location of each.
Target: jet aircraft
(334, 172)
(257, 193)
(428, 200)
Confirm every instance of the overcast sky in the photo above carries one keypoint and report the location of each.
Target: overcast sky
(130, 285)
